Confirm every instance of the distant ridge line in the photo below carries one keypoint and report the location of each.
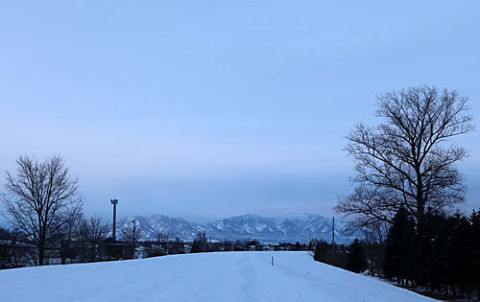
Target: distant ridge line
(292, 228)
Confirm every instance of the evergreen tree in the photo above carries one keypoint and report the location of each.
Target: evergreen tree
(473, 259)
(311, 245)
(322, 249)
(399, 246)
(200, 243)
(459, 229)
(432, 265)
(356, 259)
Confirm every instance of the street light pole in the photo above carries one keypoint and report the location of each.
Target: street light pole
(114, 230)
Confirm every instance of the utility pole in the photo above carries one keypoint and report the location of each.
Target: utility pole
(114, 230)
(333, 234)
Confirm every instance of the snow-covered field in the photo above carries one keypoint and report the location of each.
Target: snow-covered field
(242, 276)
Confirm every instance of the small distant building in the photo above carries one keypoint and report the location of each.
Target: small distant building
(140, 253)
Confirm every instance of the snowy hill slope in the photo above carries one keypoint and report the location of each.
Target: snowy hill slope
(242, 276)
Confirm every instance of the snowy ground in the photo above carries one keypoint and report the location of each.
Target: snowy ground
(242, 276)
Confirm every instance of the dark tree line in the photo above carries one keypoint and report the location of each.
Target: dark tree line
(201, 244)
(82, 241)
(350, 257)
(444, 256)
(14, 251)
(441, 256)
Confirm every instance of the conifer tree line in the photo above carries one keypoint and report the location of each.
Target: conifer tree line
(441, 257)
(444, 257)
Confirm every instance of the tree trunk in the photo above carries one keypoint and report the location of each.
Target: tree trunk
(41, 253)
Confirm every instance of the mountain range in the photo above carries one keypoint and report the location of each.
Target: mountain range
(300, 227)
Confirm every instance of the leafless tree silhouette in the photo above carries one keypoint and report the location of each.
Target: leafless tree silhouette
(408, 159)
(41, 199)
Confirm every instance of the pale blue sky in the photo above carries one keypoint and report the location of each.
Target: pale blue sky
(217, 108)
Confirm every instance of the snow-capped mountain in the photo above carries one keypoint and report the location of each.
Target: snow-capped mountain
(156, 225)
(291, 229)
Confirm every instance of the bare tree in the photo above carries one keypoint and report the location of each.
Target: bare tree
(90, 234)
(42, 198)
(162, 240)
(407, 159)
(67, 235)
(131, 235)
